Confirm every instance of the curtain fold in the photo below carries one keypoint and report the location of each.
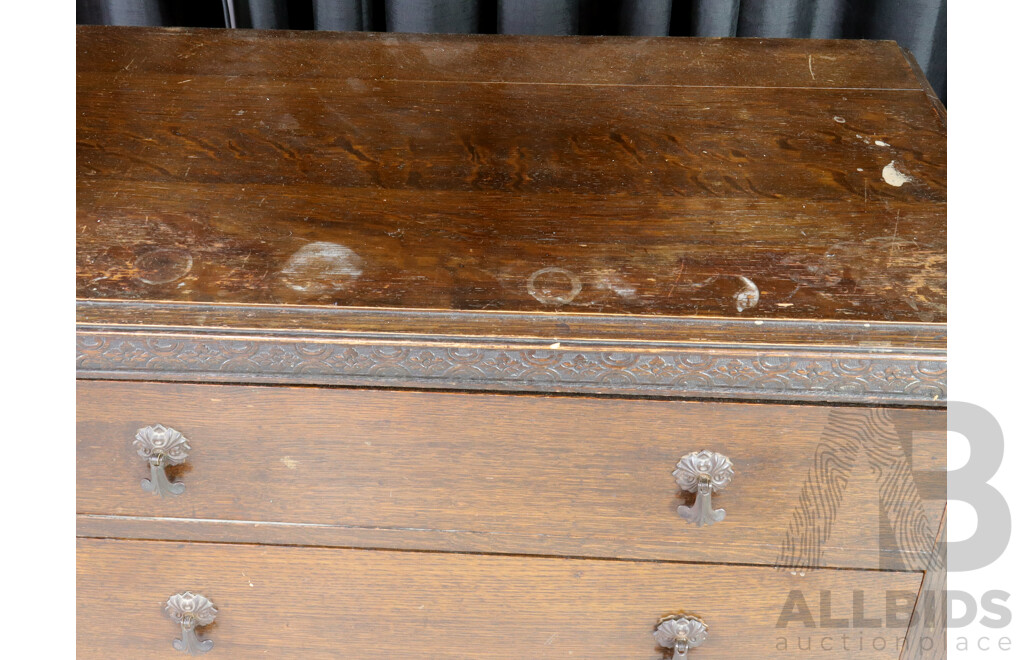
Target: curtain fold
(716, 19)
(559, 17)
(447, 16)
(261, 14)
(106, 12)
(342, 15)
(917, 25)
(649, 18)
(776, 18)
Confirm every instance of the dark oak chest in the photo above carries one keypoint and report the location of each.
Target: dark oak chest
(506, 347)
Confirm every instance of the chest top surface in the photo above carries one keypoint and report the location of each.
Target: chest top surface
(781, 192)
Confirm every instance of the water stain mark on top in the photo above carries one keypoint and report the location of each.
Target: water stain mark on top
(447, 54)
(163, 265)
(892, 176)
(553, 286)
(356, 85)
(611, 281)
(322, 267)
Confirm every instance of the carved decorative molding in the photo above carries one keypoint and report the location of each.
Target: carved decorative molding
(827, 375)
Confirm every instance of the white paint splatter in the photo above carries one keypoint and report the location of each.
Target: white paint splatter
(748, 296)
(879, 143)
(893, 176)
(839, 120)
(289, 462)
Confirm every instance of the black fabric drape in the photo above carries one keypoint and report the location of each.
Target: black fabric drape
(343, 16)
(917, 25)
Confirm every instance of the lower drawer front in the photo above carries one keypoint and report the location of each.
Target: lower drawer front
(342, 603)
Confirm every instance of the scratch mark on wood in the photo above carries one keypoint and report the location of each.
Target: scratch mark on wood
(895, 230)
(679, 273)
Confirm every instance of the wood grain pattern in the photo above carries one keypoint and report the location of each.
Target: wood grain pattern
(498, 473)
(651, 176)
(510, 327)
(686, 62)
(926, 636)
(940, 108)
(324, 603)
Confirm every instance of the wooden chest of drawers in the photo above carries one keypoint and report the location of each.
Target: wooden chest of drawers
(507, 347)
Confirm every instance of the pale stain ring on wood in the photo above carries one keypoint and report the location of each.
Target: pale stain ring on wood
(163, 265)
(547, 294)
(322, 267)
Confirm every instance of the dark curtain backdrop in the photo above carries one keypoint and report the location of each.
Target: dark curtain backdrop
(918, 25)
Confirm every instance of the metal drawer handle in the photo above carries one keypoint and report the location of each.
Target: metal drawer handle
(703, 472)
(161, 446)
(191, 611)
(680, 633)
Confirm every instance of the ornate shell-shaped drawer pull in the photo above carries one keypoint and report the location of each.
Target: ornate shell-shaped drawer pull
(191, 611)
(161, 446)
(680, 633)
(703, 472)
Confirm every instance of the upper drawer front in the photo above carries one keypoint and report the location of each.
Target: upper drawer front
(521, 474)
(341, 603)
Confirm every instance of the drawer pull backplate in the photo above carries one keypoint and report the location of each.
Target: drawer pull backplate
(191, 611)
(681, 633)
(161, 446)
(703, 472)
